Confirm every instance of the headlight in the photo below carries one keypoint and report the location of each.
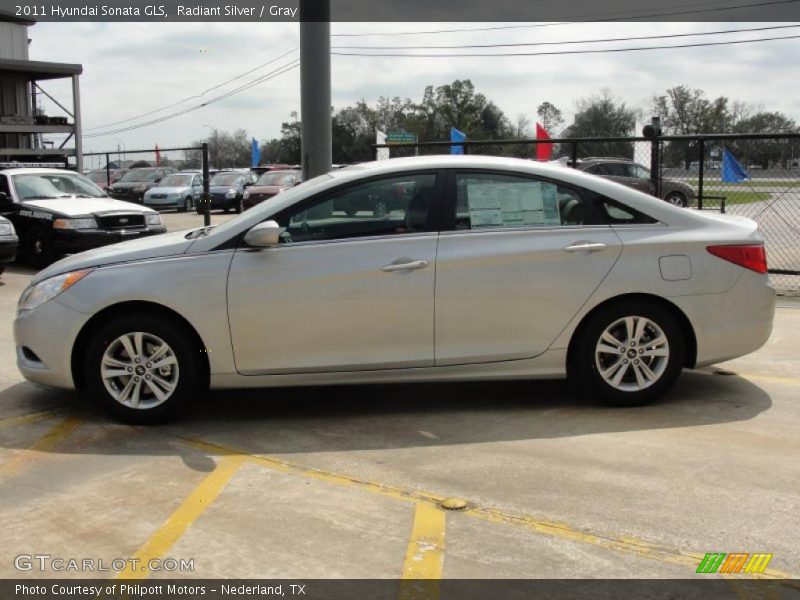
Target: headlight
(86, 223)
(152, 219)
(6, 229)
(231, 193)
(140, 188)
(38, 294)
(246, 194)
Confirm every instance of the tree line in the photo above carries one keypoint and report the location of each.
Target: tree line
(683, 110)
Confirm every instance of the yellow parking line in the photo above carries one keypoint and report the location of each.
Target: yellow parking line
(623, 544)
(49, 440)
(770, 378)
(28, 418)
(183, 517)
(425, 554)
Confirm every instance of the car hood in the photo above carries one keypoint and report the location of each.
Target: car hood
(221, 189)
(129, 185)
(157, 246)
(266, 189)
(168, 190)
(73, 207)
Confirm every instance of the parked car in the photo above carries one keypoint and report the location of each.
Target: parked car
(181, 190)
(8, 243)
(226, 189)
(270, 184)
(133, 185)
(638, 177)
(537, 274)
(57, 212)
(100, 177)
(260, 170)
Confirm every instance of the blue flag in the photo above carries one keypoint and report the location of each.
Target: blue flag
(732, 171)
(256, 154)
(457, 136)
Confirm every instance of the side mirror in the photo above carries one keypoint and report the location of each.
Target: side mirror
(264, 235)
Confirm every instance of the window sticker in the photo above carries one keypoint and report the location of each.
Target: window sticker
(516, 204)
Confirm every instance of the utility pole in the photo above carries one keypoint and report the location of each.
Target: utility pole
(315, 87)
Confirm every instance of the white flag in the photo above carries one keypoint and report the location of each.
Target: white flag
(383, 153)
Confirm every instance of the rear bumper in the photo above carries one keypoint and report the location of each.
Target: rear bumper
(731, 324)
(71, 241)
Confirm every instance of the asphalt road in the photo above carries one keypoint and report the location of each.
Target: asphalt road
(346, 481)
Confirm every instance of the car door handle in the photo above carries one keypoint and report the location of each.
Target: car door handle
(405, 266)
(585, 247)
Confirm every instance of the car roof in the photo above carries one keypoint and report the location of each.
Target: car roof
(36, 170)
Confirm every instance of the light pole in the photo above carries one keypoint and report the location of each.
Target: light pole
(315, 87)
(124, 149)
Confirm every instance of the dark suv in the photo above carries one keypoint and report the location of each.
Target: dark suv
(637, 176)
(133, 185)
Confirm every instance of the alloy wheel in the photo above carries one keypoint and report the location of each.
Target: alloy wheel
(632, 353)
(139, 370)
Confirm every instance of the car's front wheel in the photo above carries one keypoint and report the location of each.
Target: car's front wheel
(38, 247)
(187, 204)
(628, 354)
(143, 367)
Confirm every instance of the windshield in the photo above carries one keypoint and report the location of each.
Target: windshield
(40, 186)
(281, 178)
(175, 181)
(140, 175)
(227, 179)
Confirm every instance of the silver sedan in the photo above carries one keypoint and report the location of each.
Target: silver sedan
(420, 269)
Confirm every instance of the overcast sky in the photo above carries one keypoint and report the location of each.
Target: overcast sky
(132, 68)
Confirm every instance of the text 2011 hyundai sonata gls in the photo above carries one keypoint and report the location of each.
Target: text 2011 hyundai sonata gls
(483, 268)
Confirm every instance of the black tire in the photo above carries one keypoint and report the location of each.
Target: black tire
(190, 367)
(38, 247)
(585, 365)
(187, 205)
(676, 199)
(238, 207)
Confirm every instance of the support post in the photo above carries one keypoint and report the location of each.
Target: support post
(701, 145)
(315, 87)
(76, 112)
(206, 191)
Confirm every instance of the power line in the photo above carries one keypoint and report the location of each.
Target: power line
(200, 95)
(560, 52)
(585, 18)
(594, 41)
(275, 73)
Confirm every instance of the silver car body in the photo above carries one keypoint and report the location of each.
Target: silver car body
(493, 304)
(163, 196)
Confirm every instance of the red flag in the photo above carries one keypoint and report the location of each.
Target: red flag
(158, 156)
(543, 151)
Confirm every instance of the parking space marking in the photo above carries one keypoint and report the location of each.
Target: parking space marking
(49, 440)
(771, 378)
(183, 517)
(622, 544)
(29, 418)
(425, 553)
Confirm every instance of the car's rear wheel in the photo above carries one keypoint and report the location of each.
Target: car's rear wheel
(143, 367)
(629, 354)
(38, 247)
(677, 199)
(187, 204)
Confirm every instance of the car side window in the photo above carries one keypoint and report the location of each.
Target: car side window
(391, 206)
(640, 172)
(4, 189)
(492, 201)
(615, 213)
(597, 170)
(617, 170)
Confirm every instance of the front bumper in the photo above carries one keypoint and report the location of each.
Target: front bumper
(44, 340)
(222, 201)
(67, 241)
(163, 202)
(127, 195)
(8, 248)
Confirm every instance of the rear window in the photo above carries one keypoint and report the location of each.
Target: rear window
(612, 212)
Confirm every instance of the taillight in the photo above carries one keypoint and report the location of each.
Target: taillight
(752, 256)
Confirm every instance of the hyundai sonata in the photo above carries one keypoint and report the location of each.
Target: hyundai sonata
(482, 268)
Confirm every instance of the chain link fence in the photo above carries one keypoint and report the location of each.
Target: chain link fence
(686, 171)
(173, 181)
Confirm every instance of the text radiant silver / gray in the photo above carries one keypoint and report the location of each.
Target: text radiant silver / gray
(435, 268)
